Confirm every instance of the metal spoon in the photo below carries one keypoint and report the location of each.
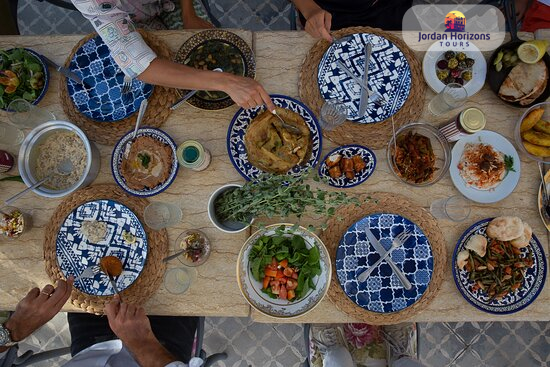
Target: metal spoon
(141, 113)
(64, 168)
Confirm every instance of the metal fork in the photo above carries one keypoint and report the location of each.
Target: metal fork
(339, 41)
(89, 272)
(126, 84)
(379, 100)
(292, 129)
(398, 241)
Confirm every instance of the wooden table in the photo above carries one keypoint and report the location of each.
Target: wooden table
(279, 56)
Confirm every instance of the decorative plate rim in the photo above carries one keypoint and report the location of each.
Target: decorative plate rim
(224, 36)
(281, 96)
(458, 284)
(145, 241)
(167, 139)
(337, 149)
(427, 242)
(495, 194)
(322, 249)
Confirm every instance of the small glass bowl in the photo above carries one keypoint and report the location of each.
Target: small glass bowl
(193, 257)
(517, 131)
(440, 147)
(26, 223)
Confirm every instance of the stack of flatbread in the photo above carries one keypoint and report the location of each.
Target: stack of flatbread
(524, 83)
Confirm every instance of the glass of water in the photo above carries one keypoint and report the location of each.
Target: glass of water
(178, 280)
(455, 208)
(333, 114)
(159, 215)
(452, 96)
(10, 135)
(25, 114)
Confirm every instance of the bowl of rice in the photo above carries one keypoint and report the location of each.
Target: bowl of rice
(49, 144)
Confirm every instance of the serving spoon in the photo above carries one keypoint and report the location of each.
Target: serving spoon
(64, 168)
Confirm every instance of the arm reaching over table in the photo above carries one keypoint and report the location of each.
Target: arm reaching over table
(318, 20)
(138, 60)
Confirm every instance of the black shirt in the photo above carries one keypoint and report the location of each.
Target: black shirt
(383, 14)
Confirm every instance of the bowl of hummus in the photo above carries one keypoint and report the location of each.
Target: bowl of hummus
(147, 165)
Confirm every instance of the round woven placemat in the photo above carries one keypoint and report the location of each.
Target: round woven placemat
(109, 133)
(151, 276)
(386, 203)
(374, 135)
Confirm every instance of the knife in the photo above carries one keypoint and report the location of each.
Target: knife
(381, 251)
(364, 100)
(68, 74)
(380, 100)
(114, 287)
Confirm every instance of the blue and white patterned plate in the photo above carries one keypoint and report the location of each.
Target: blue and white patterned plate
(513, 302)
(100, 98)
(389, 75)
(348, 151)
(382, 291)
(75, 252)
(242, 119)
(118, 154)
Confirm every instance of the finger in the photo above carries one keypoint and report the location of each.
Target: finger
(313, 29)
(46, 292)
(33, 293)
(140, 312)
(62, 292)
(325, 29)
(111, 308)
(123, 310)
(257, 100)
(266, 99)
(131, 310)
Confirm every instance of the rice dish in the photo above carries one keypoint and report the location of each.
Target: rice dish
(481, 166)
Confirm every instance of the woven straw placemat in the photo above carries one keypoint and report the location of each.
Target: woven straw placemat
(374, 135)
(109, 133)
(151, 276)
(386, 203)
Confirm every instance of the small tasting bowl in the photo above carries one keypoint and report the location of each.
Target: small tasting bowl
(440, 147)
(517, 131)
(183, 258)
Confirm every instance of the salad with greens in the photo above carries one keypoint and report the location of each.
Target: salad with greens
(284, 265)
(21, 76)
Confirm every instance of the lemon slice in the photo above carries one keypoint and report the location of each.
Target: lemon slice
(531, 52)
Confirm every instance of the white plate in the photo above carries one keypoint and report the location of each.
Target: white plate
(507, 185)
(435, 53)
(251, 288)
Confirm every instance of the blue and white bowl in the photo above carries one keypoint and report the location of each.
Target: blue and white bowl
(242, 119)
(389, 75)
(382, 292)
(118, 155)
(101, 98)
(348, 151)
(75, 252)
(513, 302)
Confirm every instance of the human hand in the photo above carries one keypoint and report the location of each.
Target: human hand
(37, 308)
(246, 92)
(318, 24)
(195, 22)
(129, 322)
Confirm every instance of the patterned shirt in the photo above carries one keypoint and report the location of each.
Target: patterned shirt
(112, 19)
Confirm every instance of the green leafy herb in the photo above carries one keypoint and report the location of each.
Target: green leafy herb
(28, 82)
(145, 159)
(278, 196)
(12, 178)
(509, 163)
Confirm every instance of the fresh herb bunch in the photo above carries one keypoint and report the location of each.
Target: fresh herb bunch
(278, 196)
(269, 253)
(509, 163)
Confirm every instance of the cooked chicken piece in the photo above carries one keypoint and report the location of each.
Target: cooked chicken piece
(358, 163)
(335, 172)
(333, 160)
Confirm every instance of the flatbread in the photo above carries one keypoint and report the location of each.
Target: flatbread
(524, 81)
(505, 228)
(523, 240)
(274, 149)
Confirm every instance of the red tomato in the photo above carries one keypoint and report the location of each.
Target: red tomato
(283, 280)
(291, 284)
(282, 292)
(290, 294)
(284, 263)
(266, 282)
(274, 262)
(288, 272)
(269, 272)
(295, 275)
(279, 274)
(275, 286)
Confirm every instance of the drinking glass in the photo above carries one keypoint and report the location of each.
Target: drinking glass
(452, 96)
(10, 135)
(178, 280)
(455, 208)
(23, 113)
(333, 115)
(159, 215)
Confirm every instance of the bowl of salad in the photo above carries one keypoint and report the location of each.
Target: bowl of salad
(23, 75)
(284, 270)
